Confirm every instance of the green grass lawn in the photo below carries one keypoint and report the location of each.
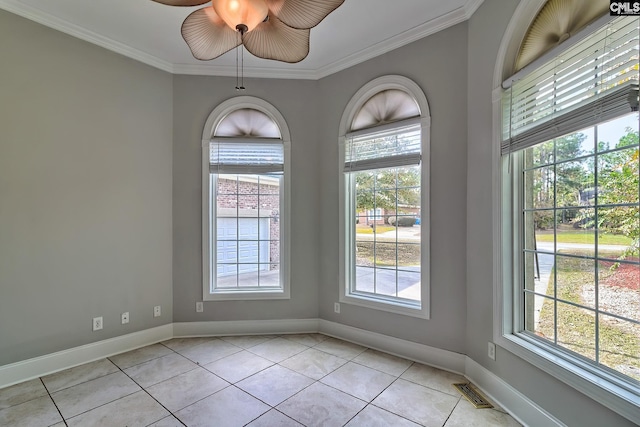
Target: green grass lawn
(386, 255)
(365, 229)
(582, 237)
(575, 329)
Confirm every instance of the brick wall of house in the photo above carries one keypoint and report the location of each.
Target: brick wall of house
(252, 200)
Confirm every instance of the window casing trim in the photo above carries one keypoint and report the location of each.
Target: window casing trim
(607, 391)
(345, 224)
(216, 116)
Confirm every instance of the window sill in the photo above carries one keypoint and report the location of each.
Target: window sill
(397, 307)
(235, 295)
(617, 395)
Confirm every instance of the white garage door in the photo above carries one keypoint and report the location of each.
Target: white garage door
(238, 244)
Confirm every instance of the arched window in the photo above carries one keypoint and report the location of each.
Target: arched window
(570, 225)
(384, 147)
(245, 191)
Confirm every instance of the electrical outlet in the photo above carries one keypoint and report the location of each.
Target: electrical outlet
(199, 307)
(491, 350)
(97, 323)
(336, 307)
(157, 311)
(125, 317)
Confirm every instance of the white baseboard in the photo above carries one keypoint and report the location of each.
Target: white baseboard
(39, 366)
(244, 327)
(520, 407)
(443, 359)
(500, 392)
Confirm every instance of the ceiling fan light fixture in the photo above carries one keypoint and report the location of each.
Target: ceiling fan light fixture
(270, 29)
(242, 15)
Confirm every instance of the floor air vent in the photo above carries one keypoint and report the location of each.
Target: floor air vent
(473, 396)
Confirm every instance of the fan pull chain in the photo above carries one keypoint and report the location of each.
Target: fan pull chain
(242, 67)
(240, 29)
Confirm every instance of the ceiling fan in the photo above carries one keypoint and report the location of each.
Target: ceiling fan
(269, 29)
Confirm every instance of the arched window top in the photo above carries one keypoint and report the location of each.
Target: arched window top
(247, 122)
(246, 117)
(387, 99)
(386, 106)
(556, 22)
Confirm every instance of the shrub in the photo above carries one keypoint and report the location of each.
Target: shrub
(403, 221)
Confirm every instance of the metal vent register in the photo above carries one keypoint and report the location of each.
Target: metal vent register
(473, 396)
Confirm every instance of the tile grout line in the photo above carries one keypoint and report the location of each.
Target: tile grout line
(270, 407)
(201, 366)
(82, 382)
(299, 391)
(370, 403)
(330, 386)
(230, 384)
(451, 413)
(122, 397)
(140, 363)
(149, 394)
(99, 406)
(53, 401)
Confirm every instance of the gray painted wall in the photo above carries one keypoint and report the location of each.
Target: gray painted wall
(486, 29)
(438, 65)
(85, 191)
(194, 99)
(100, 171)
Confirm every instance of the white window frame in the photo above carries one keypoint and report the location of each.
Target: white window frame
(209, 208)
(603, 388)
(347, 222)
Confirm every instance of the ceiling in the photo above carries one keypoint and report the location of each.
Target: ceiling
(150, 32)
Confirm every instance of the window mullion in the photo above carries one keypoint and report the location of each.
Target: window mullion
(375, 244)
(259, 243)
(595, 253)
(396, 230)
(237, 231)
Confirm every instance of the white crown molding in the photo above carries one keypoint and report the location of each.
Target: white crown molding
(43, 365)
(416, 33)
(433, 26)
(76, 31)
(471, 6)
(250, 72)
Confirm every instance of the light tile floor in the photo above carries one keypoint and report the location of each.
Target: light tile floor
(256, 381)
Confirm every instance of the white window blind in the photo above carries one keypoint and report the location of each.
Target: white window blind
(384, 147)
(594, 81)
(246, 157)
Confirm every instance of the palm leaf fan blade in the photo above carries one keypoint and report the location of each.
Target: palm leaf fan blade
(302, 14)
(273, 39)
(207, 35)
(185, 3)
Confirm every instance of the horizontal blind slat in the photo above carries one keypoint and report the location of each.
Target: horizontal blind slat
(579, 79)
(622, 101)
(387, 162)
(276, 169)
(238, 157)
(393, 147)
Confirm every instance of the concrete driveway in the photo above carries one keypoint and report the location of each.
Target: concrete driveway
(382, 281)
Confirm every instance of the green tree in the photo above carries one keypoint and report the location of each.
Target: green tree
(572, 178)
(561, 184)
(377, 189)
(618, 182)
(387, 188)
